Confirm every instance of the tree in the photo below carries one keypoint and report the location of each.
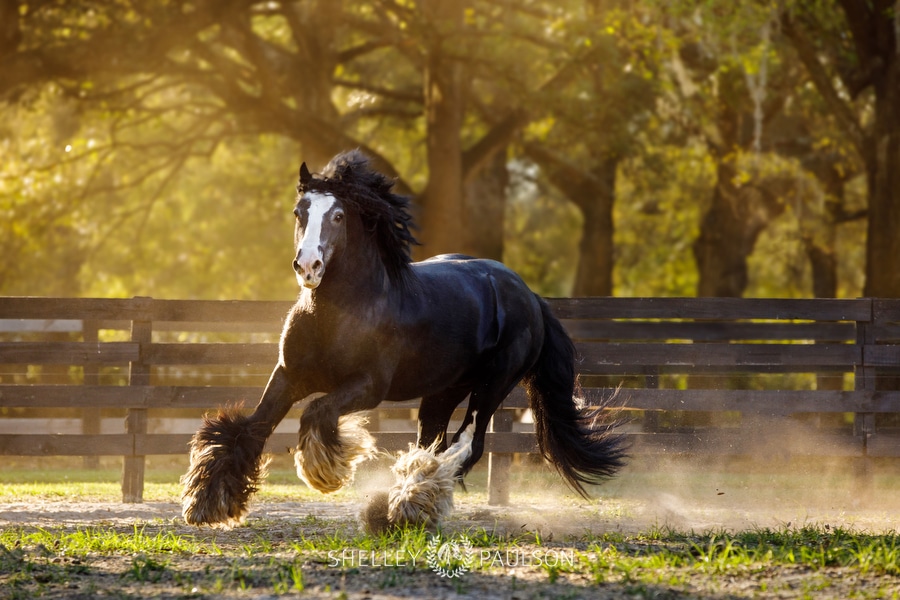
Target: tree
(860, 69)
(594, 115)
(733, 84)
(329, 75)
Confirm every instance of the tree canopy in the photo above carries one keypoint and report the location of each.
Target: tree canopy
(597, 146)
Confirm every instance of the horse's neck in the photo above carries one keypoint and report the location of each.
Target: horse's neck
(354, 280)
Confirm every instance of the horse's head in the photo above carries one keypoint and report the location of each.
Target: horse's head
(320, 231)
(349, 204)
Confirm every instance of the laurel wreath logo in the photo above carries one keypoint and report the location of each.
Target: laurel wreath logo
(449, 558)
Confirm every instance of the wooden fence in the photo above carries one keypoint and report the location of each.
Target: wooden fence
(700, 376)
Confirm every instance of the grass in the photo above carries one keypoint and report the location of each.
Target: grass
(812, 547)
(329, 557)
(664, 558)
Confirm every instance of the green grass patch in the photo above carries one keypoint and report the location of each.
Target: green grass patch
(810, 547)
(265, 557)
(104, 540)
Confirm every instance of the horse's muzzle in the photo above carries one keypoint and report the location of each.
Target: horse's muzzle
(309, 272)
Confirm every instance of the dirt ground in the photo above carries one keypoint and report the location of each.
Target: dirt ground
(559, 523)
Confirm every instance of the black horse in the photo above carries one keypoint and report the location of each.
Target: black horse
(371, 325)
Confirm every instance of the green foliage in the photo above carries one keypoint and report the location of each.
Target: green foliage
(658, 208)
(541, 239)
(166, 167)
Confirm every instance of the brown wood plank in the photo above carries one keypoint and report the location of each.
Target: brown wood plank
(76, 396)
(882, 356)
(749, 401)
(708, 331)
(110, 309)
(887, 333)
(768, 402)
(177, 443)
(718, 442)
(68, 353)
(591, 308)
(109, 396)
(152, 444)
(886, 309)
(819, 309)
(272, 327)
(279, 443)
(220, 310)
(714, 442)
(65, 445)
(637, 358)
(98, 309)
(211, 397)
(745, 443)
(391, 441)
(212, 354)
(883, 445)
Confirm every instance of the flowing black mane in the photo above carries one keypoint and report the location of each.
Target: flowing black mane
(350, 178)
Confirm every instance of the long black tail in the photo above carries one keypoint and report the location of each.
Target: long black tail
(579, 442)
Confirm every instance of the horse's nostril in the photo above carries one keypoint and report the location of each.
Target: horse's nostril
(317, 265)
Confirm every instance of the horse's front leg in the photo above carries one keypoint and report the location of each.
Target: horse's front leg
(333, 440)
(227, 461)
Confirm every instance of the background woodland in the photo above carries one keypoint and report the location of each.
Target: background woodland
(631, 148)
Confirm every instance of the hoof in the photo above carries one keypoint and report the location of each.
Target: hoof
(328, 469)
(423, 492)
(226, 468)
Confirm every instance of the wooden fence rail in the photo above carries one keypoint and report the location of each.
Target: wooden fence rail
(723, 376)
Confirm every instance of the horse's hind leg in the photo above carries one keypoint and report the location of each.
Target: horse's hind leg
(483, 403)
(422, 493)
(435, 412)
(227, 456)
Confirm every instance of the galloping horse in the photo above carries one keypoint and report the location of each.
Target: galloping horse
(371, 325)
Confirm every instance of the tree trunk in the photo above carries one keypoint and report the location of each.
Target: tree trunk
(873, 30)
(593, 192)
(485, 209)
(728, 232)
(312, 24)
(883, 177)
(821, 252)
(596, 259)
(720, 250)
(442, 200)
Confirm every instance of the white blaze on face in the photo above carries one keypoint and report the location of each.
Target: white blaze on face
(310, 259)
(319, 205)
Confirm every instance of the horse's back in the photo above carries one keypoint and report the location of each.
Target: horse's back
(483, 301)
(456, 319)
(450, 275)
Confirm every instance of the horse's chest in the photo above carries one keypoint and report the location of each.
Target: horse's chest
(327, 350)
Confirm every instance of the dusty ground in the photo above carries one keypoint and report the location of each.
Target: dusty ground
(560, 523)
(631, 519)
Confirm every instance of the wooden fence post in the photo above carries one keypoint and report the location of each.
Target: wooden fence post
(499, 462)
(90, 417)
(864, 380)
(650, 422)
(136, 418)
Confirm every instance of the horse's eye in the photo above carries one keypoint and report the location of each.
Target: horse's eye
(338, 217)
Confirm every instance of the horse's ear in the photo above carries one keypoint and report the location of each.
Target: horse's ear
(305, 175)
